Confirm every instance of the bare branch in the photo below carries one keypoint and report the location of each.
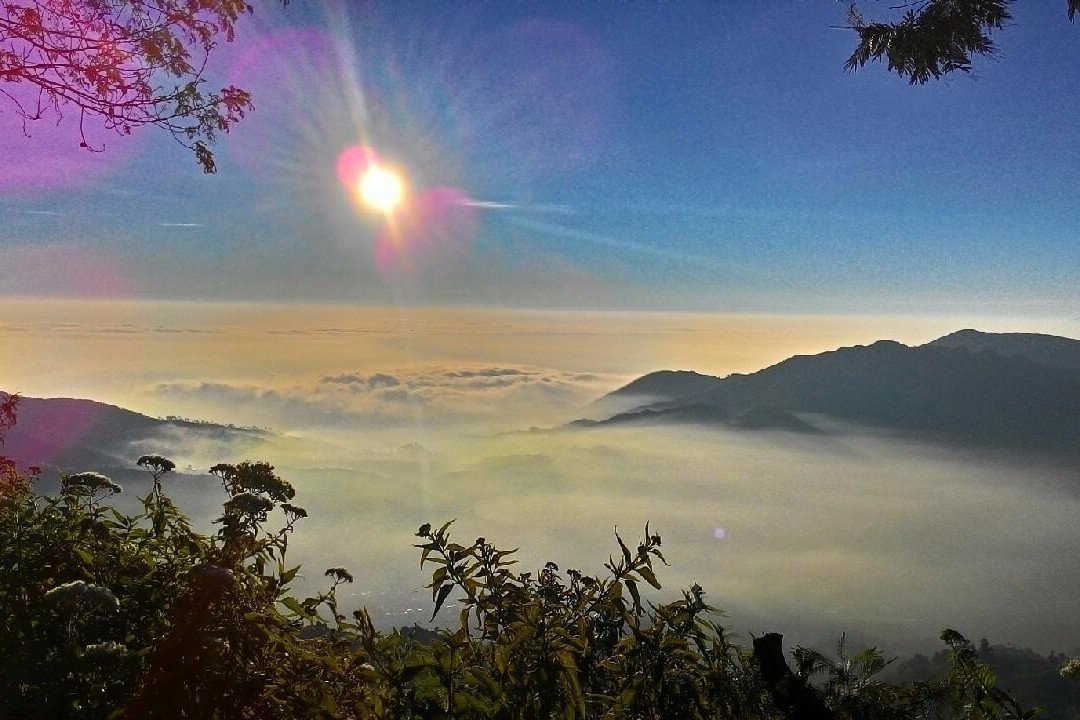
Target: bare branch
(123, 63)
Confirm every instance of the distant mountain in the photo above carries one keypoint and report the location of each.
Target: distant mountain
(764, 417)
(658, 413)
(968, 387)
(75, 435)
(757, 418)
(668, 385)
(1030, 677)
(1049, 350)
(655, 390)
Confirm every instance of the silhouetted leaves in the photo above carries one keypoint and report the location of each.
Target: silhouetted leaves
(933, 37)
(124, 64)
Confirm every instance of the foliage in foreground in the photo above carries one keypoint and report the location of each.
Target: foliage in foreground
(108, 615)
(1049, 681)
(121, 64)
(933, 38)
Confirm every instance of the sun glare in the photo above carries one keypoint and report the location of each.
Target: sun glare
(380, 188)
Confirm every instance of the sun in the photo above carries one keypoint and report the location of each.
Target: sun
(380, 188)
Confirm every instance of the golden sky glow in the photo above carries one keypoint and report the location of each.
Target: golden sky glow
(75, 343)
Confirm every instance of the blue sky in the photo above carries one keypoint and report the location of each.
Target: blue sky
(672, 156)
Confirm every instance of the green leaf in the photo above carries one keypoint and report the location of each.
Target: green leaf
(437, 579)
(631, 585)
(409, 672)
(647, 573)
(441, 598)
(294, 605)
(625, 550)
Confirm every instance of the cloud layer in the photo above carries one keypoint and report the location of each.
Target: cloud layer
(889, 542)
(507, 397)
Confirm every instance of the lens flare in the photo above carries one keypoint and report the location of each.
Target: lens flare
(425, 232)
(428, 238)
(353, 162)
(381, 189)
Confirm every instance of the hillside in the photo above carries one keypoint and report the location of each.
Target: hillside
(1051, 350)
(969, 387)
(668, 385)
(72, 435)
(1032, 678)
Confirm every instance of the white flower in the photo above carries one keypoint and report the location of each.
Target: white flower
(104, 651)
(93, 482)
(81, 591)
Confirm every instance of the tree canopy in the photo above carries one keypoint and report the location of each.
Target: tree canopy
(933, 37)
(123, 64)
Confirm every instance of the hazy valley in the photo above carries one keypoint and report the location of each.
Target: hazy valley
(866, 489)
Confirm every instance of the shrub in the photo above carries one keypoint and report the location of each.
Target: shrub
(108, 615)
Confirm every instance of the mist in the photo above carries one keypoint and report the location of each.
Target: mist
(386, 421)
(885, 540)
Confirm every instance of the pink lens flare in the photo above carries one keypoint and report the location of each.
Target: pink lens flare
(44, 432)
(720, 533)
(429, 236)
(353, 162)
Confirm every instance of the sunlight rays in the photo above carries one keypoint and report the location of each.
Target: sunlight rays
(382, 189)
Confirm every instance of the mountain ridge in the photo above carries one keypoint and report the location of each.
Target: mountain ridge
(73, 434)
(968, 387)
(1053, 350)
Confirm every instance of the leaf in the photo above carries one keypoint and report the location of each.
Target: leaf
(615, 591)
(409, 672)
(441, 598)
(502, 658)
(294, 605)
(288, 575)
(647, 573)
(570, 675)
(426, 548)
(469, 702)
(625, 550)
(631, 585)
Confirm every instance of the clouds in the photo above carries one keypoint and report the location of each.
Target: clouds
(508, 397)
(355, 380)
(454, 385)
(869, 533)
(483, 392)
(858, 534)
(287, 409)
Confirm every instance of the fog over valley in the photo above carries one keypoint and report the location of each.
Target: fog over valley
(518, 361)
(850, 528)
